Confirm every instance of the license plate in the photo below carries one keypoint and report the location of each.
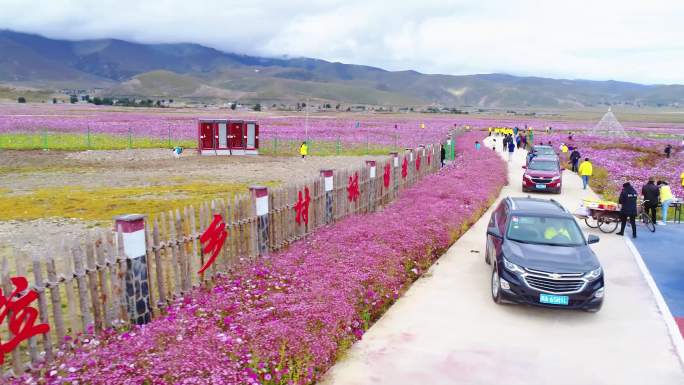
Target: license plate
(541, 186)
(554, 299)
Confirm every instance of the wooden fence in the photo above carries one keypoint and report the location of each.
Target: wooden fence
(82, 286)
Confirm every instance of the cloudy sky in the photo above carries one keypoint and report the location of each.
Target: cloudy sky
(632, 40)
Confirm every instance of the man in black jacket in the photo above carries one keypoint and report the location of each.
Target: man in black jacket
(651, 194)
(628, 200)
(574, 158)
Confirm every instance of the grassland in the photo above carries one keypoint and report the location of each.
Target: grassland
(81, 142)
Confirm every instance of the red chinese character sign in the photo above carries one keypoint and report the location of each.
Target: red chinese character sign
(418, 163)
(214, 236)
(302, 207)
(386, 175)
(404, 168)
(429, 158)
(353, 188)
(22, 317)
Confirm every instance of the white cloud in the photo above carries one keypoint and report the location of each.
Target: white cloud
(640, 41)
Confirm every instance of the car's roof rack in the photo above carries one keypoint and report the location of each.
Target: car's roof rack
(512, 202)
(558, 204)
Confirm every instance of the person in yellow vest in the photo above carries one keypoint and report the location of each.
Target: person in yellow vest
(665, 199)
(586, 170)
(553, 231)
(304, 150)
(564, 148)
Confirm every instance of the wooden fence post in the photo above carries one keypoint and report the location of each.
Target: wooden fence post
(328, 186)
(260, 199)
(137, 293)
(371, 164)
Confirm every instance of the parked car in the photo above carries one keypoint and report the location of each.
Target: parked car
(540, 150)
(543, 174)
(539, 256)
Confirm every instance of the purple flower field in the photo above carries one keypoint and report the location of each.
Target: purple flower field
(631, 160)
(380, 130)
(285, 319)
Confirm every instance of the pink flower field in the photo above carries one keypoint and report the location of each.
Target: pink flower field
(181, 123)
(629, 159)
(285, 319)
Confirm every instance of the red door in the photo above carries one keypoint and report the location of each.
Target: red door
(236, 133)
(207, 135)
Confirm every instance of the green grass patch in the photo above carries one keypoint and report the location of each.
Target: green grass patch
(104, 203)
(322, 148)
(80, 142)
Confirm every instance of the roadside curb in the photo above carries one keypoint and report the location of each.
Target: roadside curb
(673, 329)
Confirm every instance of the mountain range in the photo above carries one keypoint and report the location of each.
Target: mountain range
(195, 72)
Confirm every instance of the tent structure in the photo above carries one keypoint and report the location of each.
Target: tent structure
(609, 126)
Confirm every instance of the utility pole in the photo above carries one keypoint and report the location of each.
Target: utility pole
(306, 122)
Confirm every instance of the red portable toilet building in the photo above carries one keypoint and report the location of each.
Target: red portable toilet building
(227, 137)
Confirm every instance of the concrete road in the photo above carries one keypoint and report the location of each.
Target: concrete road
(447, 330)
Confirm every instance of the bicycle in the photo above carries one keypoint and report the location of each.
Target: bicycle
(643, 216)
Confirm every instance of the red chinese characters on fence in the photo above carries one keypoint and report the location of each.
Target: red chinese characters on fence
(214, 236)
(404, 168)
(302, 207)
(429, 159)
(22, 318)
(386, 175)
(418, 163)
(353, 188)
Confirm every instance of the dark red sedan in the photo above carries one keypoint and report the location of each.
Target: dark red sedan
(543, 174)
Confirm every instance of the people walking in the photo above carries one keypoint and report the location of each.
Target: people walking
(665, 199)
(303, 150)
(477, 144)
(504, 143)
(511, 149)
(668, 150)
(574, 159)
(651, 195)
(586, 170)
(628, 208)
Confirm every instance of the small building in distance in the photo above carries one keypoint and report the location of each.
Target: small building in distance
(227, 137)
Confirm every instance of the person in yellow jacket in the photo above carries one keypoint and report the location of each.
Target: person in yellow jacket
(665, 199)
(586, 170)
(490, 131)
(552, 232)
(304, 150)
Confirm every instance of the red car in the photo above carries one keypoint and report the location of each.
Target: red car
(543, 173)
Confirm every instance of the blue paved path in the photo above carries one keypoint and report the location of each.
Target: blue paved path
(663, 253)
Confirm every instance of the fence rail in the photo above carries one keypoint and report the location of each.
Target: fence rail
(98, 284)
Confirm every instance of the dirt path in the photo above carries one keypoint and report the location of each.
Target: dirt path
(447, 330)
(22, 173)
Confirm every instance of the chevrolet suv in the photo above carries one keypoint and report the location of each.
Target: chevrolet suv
(539, 256)
(543, 173)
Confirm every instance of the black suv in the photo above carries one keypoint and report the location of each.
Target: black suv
(540, 256)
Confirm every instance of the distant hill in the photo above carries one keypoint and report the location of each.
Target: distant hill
(192, 71)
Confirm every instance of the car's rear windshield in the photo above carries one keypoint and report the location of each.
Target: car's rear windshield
(543, 165)
(554, 231)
